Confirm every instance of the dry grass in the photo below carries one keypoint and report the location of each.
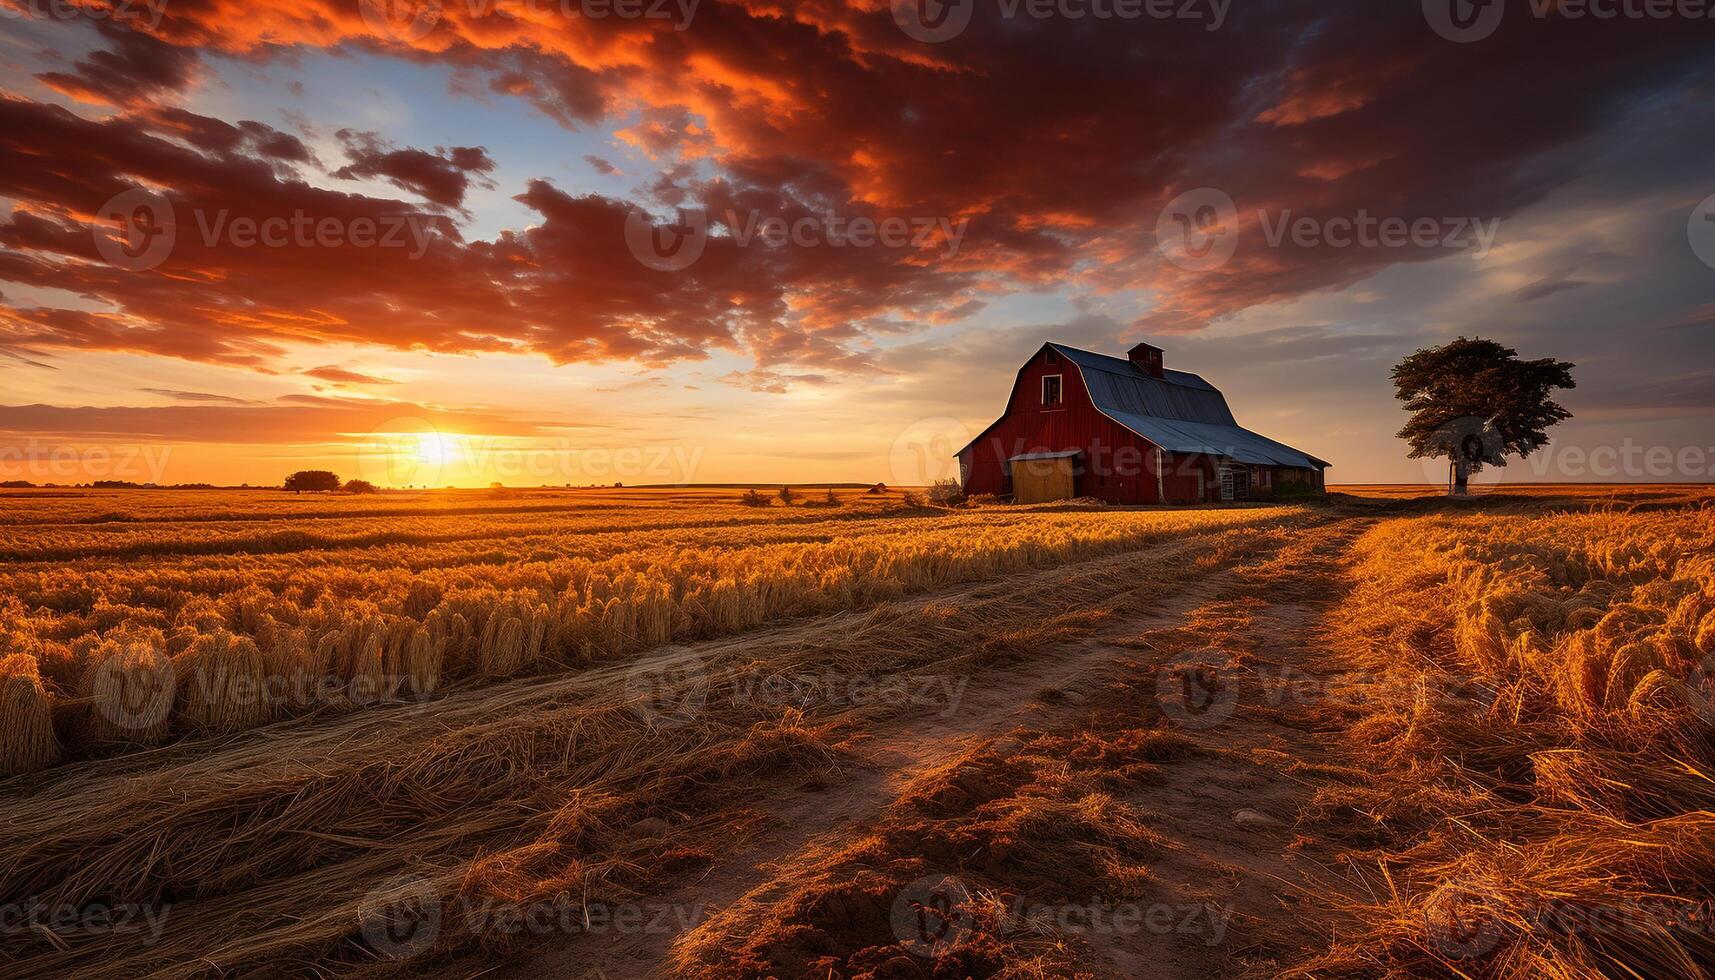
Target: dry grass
(26, 718)
(1545, 769)
(1569, 494)
(266, 845)
(444, 695)
(1009, 825)
(338, 624)
(124, 690)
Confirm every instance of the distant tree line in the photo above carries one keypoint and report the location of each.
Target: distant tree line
(324, 481)
(104, 485)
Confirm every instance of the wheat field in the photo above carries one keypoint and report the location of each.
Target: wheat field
(1548, 741)
(129, 625)
(1479, 733)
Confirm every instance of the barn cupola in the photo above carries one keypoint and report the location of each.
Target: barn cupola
(1147, 357)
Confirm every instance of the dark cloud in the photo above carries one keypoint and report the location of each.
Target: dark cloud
(342, 376)
(1679, 393)
(1058, 141)
(136, 68)
(1701, 318)
(771, 382)
(247, 137)
(1547, 286)
(24, 355)
(198, 396)
(441, 177)
(1294, 347)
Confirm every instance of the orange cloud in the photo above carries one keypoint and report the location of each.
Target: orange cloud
(1057, 141)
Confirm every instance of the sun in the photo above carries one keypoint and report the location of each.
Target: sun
(434, 449)
(409, 453)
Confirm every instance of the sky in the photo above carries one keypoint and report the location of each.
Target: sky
(662, 241)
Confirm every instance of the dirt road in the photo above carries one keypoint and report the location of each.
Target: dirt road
(1231, 869)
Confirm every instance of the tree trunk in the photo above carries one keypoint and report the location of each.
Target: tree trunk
(1461, 476)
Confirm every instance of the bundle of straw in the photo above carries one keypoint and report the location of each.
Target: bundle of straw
(129, 686)
(503, 647)
(420, 663)
(26, 718)
(221, 684)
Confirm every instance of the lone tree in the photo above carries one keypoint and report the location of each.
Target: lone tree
(1474, 403)
(359, 486)
(313, 480)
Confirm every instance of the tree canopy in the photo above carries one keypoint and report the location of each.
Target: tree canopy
(1474, 402)
(314, 480)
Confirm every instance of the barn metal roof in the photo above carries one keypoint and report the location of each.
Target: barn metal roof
(1180, 412)
(1231, 441)
(1116, 384)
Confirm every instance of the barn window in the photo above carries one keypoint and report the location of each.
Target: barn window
(1053, 359)
(1051, 390)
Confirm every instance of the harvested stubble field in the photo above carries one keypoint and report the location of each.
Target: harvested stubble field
(650, 733)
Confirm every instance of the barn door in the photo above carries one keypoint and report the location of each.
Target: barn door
(1036, 481)
(1226, 483)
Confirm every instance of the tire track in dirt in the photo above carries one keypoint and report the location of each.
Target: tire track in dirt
(1263, 747)
(1253, 873)
(807, 824)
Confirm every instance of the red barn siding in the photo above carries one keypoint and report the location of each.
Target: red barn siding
(1266, 482)
(1117, 466)
(1180, 480)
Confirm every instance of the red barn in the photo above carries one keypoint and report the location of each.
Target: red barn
(1128, 431)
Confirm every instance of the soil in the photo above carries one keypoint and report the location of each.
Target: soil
(1225, 810)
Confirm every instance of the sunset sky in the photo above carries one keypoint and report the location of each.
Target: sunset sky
(503, 327)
